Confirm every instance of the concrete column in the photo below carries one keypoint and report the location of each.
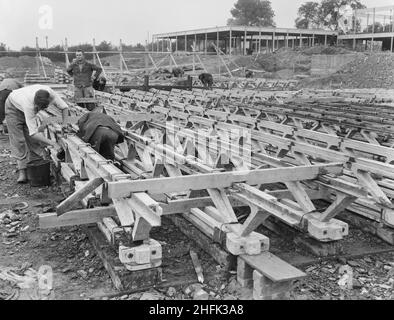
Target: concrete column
(325, 40)
(206, 43)
(292, 43)
(176, 43)
(267, 45)
(287, 40)
(313, 40)
(273, 42)
(260, 41)
(300, 40)
(195, 41)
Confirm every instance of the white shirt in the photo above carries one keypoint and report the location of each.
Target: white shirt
(23, 100)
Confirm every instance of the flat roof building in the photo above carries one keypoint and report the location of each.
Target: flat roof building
(240, 39)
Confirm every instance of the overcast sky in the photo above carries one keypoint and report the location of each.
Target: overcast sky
(129, 20)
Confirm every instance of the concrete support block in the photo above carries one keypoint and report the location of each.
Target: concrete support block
(244, 274)
(265, 289)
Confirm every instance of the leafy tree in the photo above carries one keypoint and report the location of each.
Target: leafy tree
(377, 27)
(3, 47)
(308, 15)
(325, 14)
(252, 13)
(329, 12)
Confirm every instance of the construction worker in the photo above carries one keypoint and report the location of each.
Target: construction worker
(6, 87)
(101, 132)
(26, 137)
(82, 71)
(207, 80)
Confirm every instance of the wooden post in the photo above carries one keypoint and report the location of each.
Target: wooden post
(37, 56)
(313, 40)
(146, 83)
(121, 57)
(325, 40)
(300, 40)
(287, 40)
(185, 43)
(392, 40)
(46, 42)
(94, 51)
(66, 52)
(245, 35)
(217, 42)
(231, 40)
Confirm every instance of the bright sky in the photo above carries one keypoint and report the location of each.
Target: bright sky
(129, 20)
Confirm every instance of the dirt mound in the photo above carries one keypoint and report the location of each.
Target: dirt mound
(16, 67)
(370, 70)
(285, 59)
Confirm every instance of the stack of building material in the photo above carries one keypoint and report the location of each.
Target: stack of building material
(62, 77)
(33, 78)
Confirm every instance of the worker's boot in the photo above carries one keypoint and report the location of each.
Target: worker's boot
(22, 176)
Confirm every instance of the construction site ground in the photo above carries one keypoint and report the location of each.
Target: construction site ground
(80, 274)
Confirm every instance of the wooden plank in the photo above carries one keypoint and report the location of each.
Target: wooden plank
(273, 267)
(124, 212)
(78, 196)
(75, 218)
(220, 180)
(341, 202)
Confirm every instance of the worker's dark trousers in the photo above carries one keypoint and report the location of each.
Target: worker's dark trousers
(3, 97)
(104, 141)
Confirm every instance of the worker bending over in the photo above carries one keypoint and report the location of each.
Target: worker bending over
(82, 71)
(101, 132)
(6, 87)
(26, 137)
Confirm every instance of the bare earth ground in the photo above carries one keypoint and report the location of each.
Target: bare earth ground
(79, 273)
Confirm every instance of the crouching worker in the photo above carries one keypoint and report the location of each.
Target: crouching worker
(6, 87)
(101, 132)
(26, 137)
(207, 80)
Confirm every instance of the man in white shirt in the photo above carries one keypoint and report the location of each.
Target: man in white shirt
(26, 137)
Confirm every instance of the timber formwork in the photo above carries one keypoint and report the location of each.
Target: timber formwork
(360, 157)
(165, 168)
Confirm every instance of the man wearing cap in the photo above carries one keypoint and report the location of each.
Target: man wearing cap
(6, 87)
(26, 137)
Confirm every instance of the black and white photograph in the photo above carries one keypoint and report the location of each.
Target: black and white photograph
(193, 159)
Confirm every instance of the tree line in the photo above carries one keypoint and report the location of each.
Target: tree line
(324, 14)
(56, 55)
